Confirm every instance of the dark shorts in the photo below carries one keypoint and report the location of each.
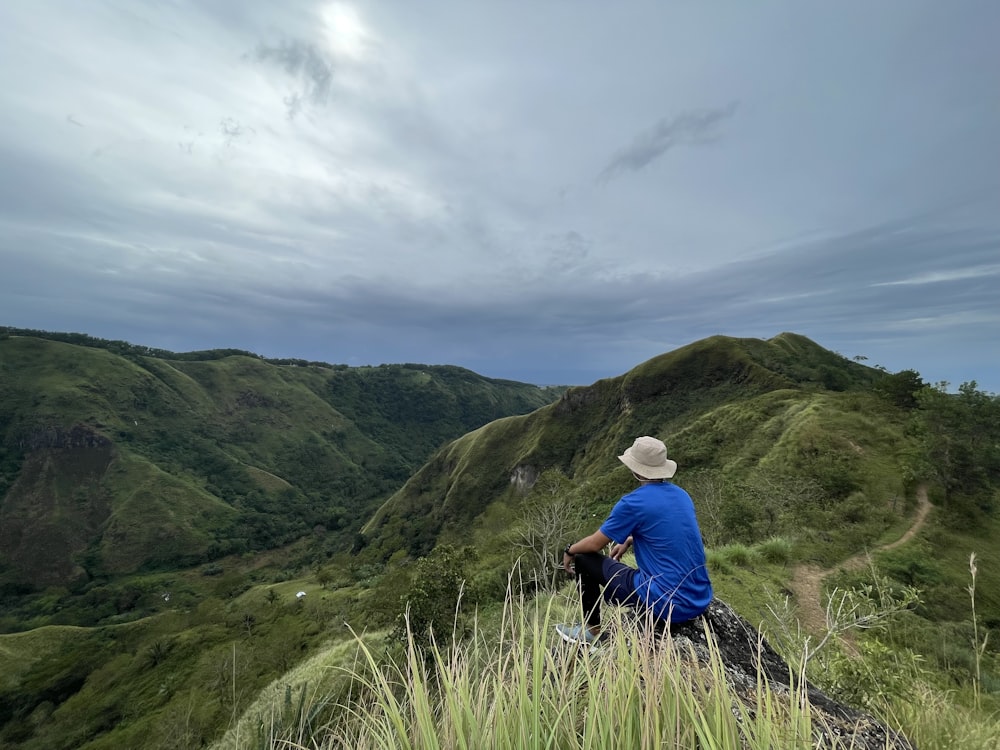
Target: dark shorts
(619, 585)
(602, 578)
(616, 578)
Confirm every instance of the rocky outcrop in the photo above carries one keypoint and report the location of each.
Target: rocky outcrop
(746, 655)
(523, 478)
(56, 505)
(77, 436)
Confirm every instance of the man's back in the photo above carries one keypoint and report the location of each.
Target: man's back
(672, 576)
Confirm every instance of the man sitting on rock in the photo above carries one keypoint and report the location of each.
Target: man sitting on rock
(657, 521)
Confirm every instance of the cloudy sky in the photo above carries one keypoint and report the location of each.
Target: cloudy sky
(551, 191)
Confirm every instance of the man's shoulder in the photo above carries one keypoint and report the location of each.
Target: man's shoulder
(629, 503)
(635, 496)
(676, 488)
(657, 488)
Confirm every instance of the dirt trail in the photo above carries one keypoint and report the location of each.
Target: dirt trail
(807, 580)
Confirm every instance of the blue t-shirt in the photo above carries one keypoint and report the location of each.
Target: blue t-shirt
(672, 578)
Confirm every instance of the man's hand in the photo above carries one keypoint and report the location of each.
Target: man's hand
(568, 564)
(619, 550)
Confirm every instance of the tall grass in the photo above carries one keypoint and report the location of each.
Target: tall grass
(979, 647)
(933, 721)
(515, 686)
(512, 683)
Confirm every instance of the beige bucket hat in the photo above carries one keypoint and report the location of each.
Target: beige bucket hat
(648, 458)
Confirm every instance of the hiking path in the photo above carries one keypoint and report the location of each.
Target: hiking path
(806, 584)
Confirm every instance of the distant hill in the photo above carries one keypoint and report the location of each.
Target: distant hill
(116, 458)
(708, 400)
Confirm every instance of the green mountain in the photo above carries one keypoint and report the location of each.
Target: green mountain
(232, 601)
(116, 459)
(735, 405)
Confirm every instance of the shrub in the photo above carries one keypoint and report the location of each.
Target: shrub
(855, 508)
(739, 555)
(718, 562)
(913, 565)
(435, 596)
(873, 677)
(776, 550)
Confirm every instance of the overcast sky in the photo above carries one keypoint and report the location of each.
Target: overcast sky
(546, 191)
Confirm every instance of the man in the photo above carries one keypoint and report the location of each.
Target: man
(657, 520)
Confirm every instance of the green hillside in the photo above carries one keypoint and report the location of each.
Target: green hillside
(774, 438)
(735, 405)
(232, 605)
(116, 459)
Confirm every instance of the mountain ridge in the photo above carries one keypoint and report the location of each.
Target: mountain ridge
(655, 397)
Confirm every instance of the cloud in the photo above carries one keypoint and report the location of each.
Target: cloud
(566, 324)
(851, 280)
(307, 65)
(691, 128)
(384, 182)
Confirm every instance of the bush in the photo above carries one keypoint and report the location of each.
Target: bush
(739, 555)
(435, 595)
(717, 562)
(872, 678)
(912, 565)
(855, 508)
(776, 550)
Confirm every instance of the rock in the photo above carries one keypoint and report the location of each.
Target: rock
(745, 654)
(77, 436)
(523, 478)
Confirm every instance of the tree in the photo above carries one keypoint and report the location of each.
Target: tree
(959, 436)
(549, 519)
(900, 388)
(324, 575)
(248, 620)
(435, 595)
(708, 491)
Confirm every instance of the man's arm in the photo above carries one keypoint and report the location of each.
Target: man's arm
(593, 543)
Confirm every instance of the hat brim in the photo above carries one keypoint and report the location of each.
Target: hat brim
(666, 471)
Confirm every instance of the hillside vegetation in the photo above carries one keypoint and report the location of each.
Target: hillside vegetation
(736, 406)
(116, 459)
(794, 455)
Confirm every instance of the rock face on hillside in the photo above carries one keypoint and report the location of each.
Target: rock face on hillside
(77, 436)
(57, 504)
(745, 655)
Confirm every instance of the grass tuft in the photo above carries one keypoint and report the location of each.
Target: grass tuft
(776, 550)
(739, 555)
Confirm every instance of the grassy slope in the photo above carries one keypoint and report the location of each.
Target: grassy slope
(729, 405)
(709, 400)
(741, 409)
(122, 467)
(755, 415)
(170, 680)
